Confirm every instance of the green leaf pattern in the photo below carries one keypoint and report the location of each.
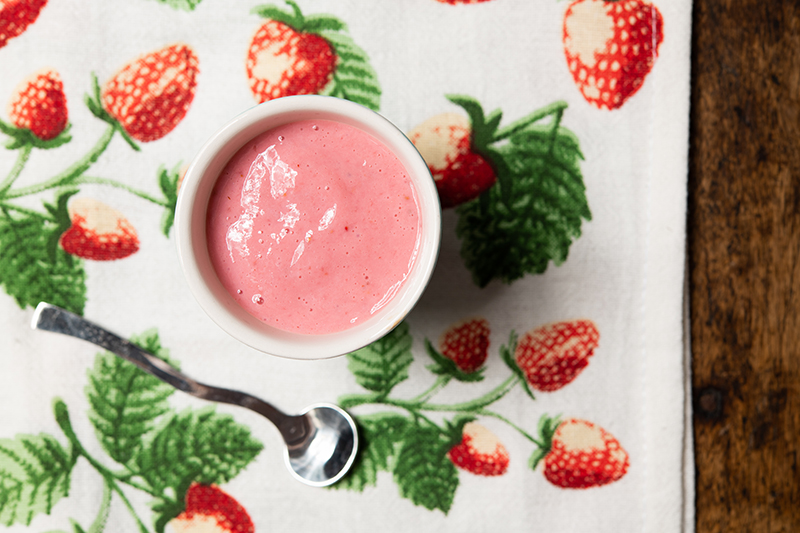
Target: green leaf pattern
(35, 473)
(384, 363)
(32, 269)
(125, 402)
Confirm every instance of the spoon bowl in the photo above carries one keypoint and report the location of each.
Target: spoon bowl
(321, 442)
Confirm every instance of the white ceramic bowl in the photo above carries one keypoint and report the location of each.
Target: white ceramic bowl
(190, 226)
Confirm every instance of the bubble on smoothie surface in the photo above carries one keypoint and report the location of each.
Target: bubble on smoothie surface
(281, 177)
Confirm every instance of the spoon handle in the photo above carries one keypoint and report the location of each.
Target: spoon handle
(49, 317)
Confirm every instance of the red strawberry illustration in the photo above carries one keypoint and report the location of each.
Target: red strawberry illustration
(284, 60)
(479, 452)
(16, 16)
(150, 95)
(455, 2)
(610, 47)
(584, 455)
(39, 104)
(552, 356)
(210, 510)
(466, 343)
(98, 232)
(445, 142)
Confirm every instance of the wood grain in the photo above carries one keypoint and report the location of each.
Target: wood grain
(744, 249)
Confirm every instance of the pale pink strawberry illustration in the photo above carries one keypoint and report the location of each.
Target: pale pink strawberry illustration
(150, 95)
(466, 343)
(480, 452)
(293, 54)
(39, 105)
(98, 232)
(445, 143)
(584, 455)
(16, 16)
(553, 355)
(210, 510)
(611, 46)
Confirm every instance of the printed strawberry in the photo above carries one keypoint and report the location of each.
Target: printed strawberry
(480, 452)
(580, 455)
(445, 143)
(38, 104)
(150, 95)
(466, 343)
(284, 62)
(517, 188)
(610, 46)
(210, 510)
(455, 2)
(16, 16)
(98, 232)
(552, 356)
(292, 54)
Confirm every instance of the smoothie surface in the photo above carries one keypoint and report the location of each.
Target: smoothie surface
(313, 226)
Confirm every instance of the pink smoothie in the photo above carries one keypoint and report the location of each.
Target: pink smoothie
(313, 226)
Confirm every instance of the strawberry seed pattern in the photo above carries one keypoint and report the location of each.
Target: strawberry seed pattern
(152, 94)
(16, 16)
(610, 47)
(39, 104)
(283, 62)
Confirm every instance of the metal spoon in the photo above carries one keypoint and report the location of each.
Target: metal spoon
(321, 442)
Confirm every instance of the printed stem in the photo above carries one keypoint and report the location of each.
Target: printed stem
(62, 418)
(554, 129)
(16, 170)
(23, 210)
(127, 479)
(73, 172)
(100, 520)
(441, 382)
(514, 127)
(469, 406)
(107, 181)
(478, 403)
(486, 412)
(417, 415)
(420, 402)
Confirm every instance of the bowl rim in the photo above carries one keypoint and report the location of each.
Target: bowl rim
(190, 228)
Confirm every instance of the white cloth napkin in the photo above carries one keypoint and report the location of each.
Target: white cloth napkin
(624, 274)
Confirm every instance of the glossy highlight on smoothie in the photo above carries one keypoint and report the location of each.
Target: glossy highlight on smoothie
(313, 226)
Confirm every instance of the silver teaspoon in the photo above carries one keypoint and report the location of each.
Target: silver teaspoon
(321, 442)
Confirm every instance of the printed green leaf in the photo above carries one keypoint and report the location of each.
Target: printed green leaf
(24, 137)
(380, 435)
(35, 473)
(423, 472)
(95, 104)
(354, 78)
(125, 401)
(442, 366)
(507, 355)
(168, 183)
(546, 429)
(384, 363)
(32, 269)
(291, 17)
(534, 213)
(181, 5)
(195, 445)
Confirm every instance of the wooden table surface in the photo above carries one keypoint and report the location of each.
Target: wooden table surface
(744, 253)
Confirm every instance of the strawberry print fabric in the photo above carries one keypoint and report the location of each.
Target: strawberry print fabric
(540, 383)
